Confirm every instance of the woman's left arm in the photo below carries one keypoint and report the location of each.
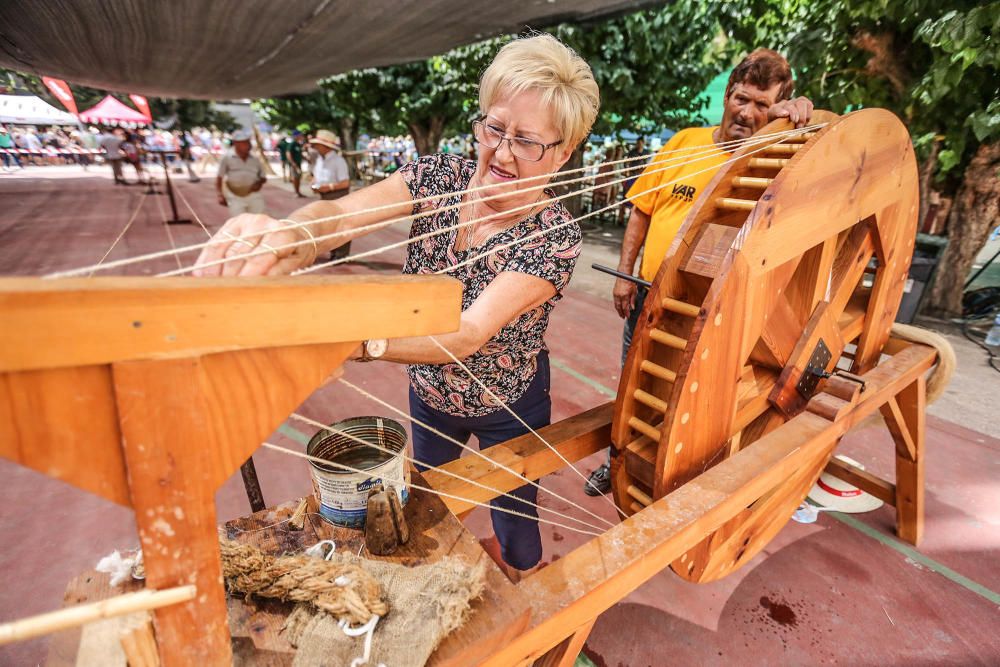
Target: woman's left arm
(504, 300)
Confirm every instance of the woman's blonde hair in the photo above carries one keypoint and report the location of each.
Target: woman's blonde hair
(544, 64)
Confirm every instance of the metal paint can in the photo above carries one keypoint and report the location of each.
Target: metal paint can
(343, 494)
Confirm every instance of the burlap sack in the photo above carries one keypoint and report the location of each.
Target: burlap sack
(426, 603)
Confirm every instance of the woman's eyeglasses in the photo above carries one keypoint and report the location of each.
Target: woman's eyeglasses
(522, 149)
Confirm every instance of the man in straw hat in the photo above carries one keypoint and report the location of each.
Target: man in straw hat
(331, 179)
(240, 178)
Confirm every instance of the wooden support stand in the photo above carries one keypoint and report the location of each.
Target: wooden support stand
(152, 393)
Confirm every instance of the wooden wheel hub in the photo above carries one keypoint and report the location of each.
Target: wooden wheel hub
(793, 261)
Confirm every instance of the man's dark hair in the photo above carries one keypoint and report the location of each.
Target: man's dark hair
(763, 68)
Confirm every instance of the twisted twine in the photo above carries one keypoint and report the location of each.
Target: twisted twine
(341, 588)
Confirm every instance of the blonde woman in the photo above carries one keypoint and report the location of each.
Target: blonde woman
(537, 101)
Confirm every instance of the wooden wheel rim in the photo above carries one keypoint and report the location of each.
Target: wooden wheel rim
(747, 288)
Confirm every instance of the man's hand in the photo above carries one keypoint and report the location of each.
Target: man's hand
(624, 296)
(222, 200)
(258, 185)
(255, 245)
(799, 111)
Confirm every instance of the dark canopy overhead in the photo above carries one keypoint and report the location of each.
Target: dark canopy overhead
(224, 49)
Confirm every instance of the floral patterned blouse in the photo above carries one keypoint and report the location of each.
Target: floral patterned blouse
(508, 361)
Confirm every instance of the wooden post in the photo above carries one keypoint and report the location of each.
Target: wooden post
(906, 421)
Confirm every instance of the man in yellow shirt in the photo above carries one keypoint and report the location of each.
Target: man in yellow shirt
(758, 91)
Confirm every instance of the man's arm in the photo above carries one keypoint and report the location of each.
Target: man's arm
(635, 238)
(261, 178)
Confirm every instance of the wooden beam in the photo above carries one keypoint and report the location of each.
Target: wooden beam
(575, 438)
(864, 480)
(87, 321)
(598, 574)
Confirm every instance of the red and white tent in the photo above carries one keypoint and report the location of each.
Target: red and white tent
(110, 111)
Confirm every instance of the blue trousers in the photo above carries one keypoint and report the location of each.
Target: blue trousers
(520, 541)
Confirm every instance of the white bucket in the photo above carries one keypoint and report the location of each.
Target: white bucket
(342, 494)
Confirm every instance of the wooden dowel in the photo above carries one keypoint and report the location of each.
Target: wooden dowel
(649, 400)
(644, 428)
(733, 204)
(669, 340)
(800, 138)
(768, 162)
(43, 624)
(681, 308)
(784, 149)
(638, 494)
(752, 182)
(636, 508)
(658, 371)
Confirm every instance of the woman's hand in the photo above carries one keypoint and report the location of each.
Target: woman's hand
(251, 253)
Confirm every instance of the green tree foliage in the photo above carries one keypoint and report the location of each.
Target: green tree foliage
(424, 99)
(935, 64)
(650, 66)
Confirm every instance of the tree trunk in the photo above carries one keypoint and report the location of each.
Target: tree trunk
(573, 204)
(345, 128)
(427, 135)
(927, 170)
(974, 213)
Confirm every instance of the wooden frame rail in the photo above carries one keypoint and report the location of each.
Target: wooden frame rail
(569, 594)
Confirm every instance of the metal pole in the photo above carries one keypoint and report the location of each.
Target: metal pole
(619, 274)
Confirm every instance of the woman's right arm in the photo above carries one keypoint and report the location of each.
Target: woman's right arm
(391, 196)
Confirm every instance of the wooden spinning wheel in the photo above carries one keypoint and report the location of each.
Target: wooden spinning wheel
(767, 282)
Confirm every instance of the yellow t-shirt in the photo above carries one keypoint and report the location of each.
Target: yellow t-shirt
(684, 166)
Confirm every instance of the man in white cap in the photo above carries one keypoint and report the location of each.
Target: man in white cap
(240, 178)
(331, 179)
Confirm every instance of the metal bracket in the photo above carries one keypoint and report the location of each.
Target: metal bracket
(815, 370)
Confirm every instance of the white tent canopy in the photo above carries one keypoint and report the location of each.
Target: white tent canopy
(32, 110)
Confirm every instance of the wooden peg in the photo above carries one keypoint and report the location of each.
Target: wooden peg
(649, 400)
(657, 371)
(767, 162)
(733, 204)
(669, 340)
(679, 307)
(751, 182)
(644, 428)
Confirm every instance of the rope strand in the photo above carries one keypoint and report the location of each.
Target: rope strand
(734, 145)
(474, 452)
(292, 452)
(448, 229)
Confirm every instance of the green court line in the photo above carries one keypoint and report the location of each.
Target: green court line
(594, 384)
(290, 432)
(915, 555)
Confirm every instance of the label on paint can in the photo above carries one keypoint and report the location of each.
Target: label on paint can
(343, 494)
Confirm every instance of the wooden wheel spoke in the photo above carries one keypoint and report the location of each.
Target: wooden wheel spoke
(849, 266)
(779, 335)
